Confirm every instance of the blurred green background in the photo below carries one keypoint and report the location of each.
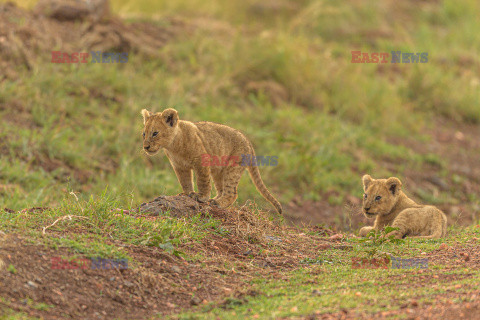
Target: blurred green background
(281, 72)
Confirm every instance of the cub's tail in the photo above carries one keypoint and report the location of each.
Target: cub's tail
(257, 180)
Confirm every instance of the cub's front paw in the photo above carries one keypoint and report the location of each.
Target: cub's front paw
(364, 231)
(198, 197)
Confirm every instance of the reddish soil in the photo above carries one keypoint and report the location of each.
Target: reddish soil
(158, 282)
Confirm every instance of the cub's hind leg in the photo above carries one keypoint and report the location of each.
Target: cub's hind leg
(231, 178)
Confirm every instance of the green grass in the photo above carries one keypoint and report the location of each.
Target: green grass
(334, 125)
(329, 284)
(74, 131)
(95, 227)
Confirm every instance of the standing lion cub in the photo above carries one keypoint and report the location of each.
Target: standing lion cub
(186, 145)
(384, 199)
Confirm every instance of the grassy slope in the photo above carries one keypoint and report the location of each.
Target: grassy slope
(332, 127)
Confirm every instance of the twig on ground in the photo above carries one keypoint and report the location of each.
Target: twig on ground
(69, 217)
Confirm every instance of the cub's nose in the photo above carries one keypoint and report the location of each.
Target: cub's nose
(146, 147)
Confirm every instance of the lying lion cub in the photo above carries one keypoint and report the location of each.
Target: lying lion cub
(384, 199)
(188, 144)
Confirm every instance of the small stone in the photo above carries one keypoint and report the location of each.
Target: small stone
(128, 284)
(466, 257)
(337, 236)
(112, 279)
(195, 301)
(32, 284)
(324, 246)
(423, 253)
(443, 246)
(176, 269)
(358, 294)
(459, 136)
(316, 292)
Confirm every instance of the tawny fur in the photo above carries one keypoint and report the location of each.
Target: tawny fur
(185, 142)
(395, 209)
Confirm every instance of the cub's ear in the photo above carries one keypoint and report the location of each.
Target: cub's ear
(366, 179)
(394, 185)
(170, 116)
(146, 114)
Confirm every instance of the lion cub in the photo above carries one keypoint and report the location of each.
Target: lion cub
(384, 199)
(186, 144)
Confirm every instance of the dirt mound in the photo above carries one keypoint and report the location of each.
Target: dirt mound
(29, 37)
(177, 206)
(247, 243)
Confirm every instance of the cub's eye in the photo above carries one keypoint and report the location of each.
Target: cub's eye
(377, 198)
(365, 196)
(154, 134)
(144, 134)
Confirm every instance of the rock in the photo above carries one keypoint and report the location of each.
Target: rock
(176, 269)
(128, 284)
(32, 284)
(70, 10)
(337, 236)
(316, 292)
(443, 246)
(247, 253)
(177, 206)
(195, 301)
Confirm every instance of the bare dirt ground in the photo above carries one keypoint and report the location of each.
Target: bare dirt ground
(159, 283)
(42, 31)
(162, 283)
